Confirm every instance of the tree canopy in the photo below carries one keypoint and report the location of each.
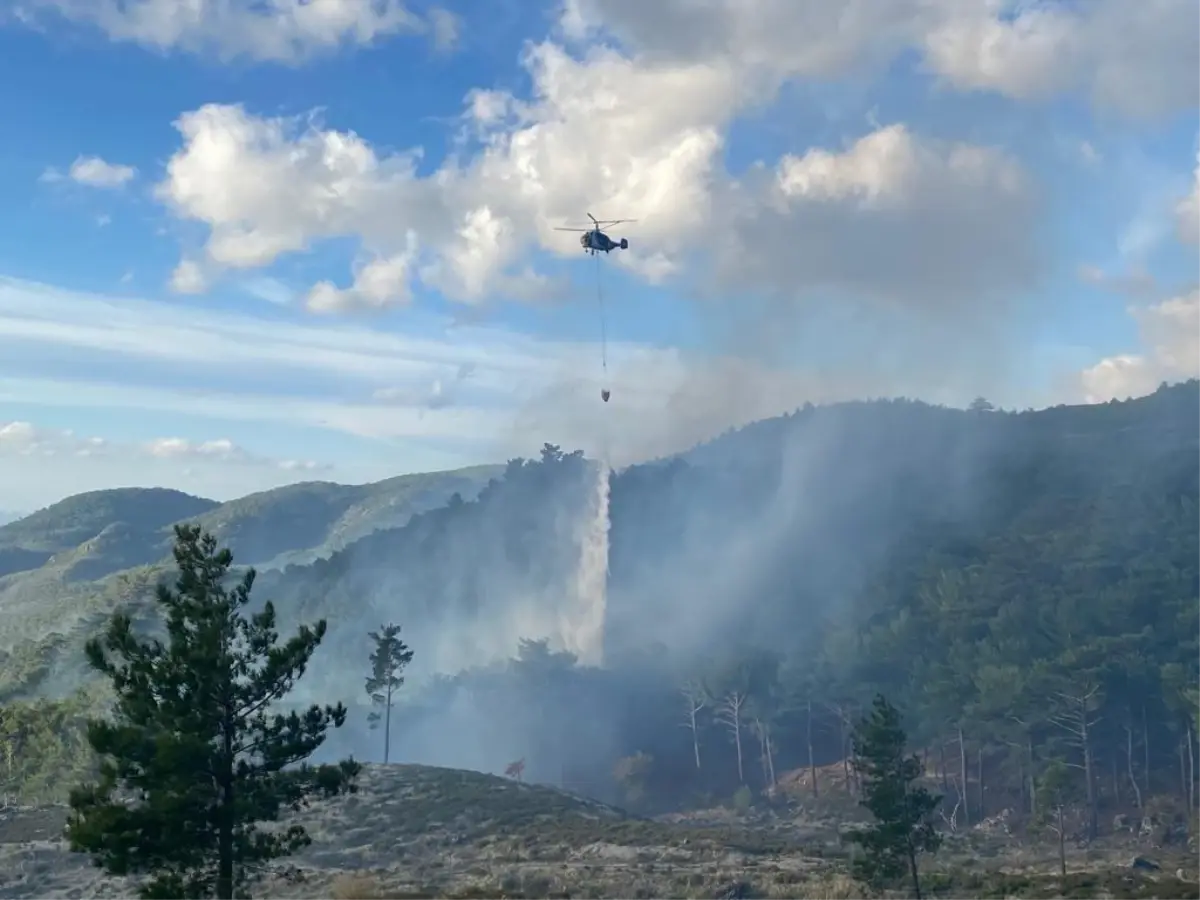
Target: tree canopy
(193, 757)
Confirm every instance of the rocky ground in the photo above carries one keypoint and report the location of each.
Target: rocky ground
(416, 831)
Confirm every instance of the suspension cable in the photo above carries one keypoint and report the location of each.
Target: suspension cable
(603, 318)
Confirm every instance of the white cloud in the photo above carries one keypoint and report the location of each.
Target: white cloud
(639, 130)
(282, 31)
(1137, 59)
(20, 438)
(648, 149)
(39, 465)
(95, 172)
(895, 216)
(224, 450)
(188, 278)
(446, 28)
(378, 283)
(1187, 212)
(1170, 334)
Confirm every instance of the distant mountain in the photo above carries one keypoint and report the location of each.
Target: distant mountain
(88, 536)
(64, 568)
(7, 515)
(303, 522)
(753, 538)
(66, 526)
(986, 570)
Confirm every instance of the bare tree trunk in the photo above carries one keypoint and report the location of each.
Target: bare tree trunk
(942, 766)
(1032, 778)
(1077, 721)
(737, 739)
(812, 763)
(387, 728)
(982, 809)
(1183, 782)
(765, 750)
(1191, 772)
(731, 715)
(1021, 773)
(844, 736)
(1091, 780)
(1145, 753)
(1062, 843)
(1137, 793)
(1116, 781)
(696, 701)
(857, 775)
(761, 733)
(962, 766)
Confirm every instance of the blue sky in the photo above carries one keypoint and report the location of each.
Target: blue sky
(262, 243)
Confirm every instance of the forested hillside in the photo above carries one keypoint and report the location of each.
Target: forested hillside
(1024, 585)
(101, 532)
(64, 569)
(1011, 580)
(141, 513)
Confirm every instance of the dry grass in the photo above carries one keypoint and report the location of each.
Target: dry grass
(415, 831)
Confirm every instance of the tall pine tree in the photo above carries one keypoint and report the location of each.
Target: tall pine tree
(193, 757)
(901, 830)
(390, 658)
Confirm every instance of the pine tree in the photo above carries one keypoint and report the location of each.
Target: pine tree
(192, 756)
(902, 829)
(390, 658)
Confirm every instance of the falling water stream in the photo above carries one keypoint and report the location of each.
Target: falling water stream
(583, 625)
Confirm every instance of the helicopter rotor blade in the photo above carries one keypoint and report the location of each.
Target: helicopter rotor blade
(574, 229)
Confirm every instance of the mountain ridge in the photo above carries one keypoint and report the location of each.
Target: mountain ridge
(117, 518)
(895, 480)
(991, 573)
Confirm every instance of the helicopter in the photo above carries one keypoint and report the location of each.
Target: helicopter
(593, 240)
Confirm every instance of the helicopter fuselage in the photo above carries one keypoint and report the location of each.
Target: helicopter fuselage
(597, 241)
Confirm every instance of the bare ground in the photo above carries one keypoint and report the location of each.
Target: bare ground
(418, 831)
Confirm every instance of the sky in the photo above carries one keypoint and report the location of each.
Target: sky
(251, 242)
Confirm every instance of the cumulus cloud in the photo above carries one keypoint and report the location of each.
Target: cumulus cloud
(894, 216)
(895, 213)
(224, 450)
(24, 439)
(20, 438)
(638, 128)
(93, 171)
(282, 31)
(39, 465)
(1170, 334)
(1136, 59)
(188, 277)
